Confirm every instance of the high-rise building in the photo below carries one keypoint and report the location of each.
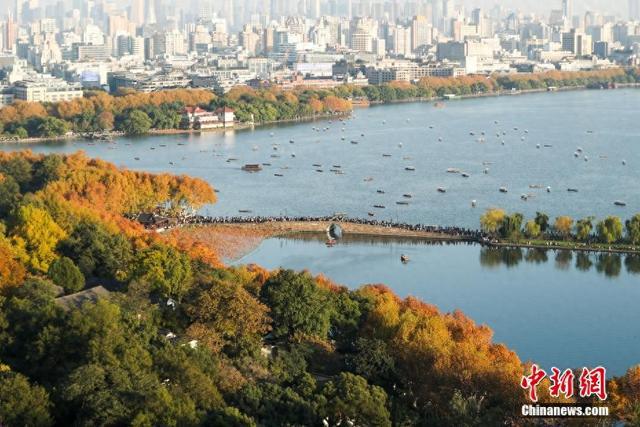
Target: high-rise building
(567, 9)
(420, 32)
(137, 12)
(634, 10)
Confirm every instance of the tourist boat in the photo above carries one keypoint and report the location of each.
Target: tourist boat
(486, 171)
(316, 165)
(278, 174)
(535, 186)
(380, 191)
(291, 141)
(354, 142)
(368, 179)
(371, 214)
(619, 203)
(465, 175)
(473, 203)
(275, 156)
(343, 138)
(319, 170)
(171, 163)
(453, 170)
(548, 145)
(404, 259)
(538, 146)
(503, 189)
(579, 149)
(180, 143)
(410, 168)
(442, 190)
(386, 155)
(440, 139)
(337, 166)
(402, 203)
(379, 206)
(407, 196)
(293, 154)
(339, 172)
(266, 164)
(572, 190)
(232, 159)
(400, 145)
(252, 167)
(576, 154)
(548, 189)
(244, 211)
(136, 158)
(524, 197)
(163, 145)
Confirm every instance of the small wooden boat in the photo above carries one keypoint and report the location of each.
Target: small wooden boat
(404, 259)
(252, 167)
(410, 168)
(278, 174)
(619, 203)
(403, 203)
(379, 206)
(572, 190)
(380, 191)
(503, 190)
(442, 190)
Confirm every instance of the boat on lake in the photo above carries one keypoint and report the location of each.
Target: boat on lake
(442, 190)
(503, 190)
(620, 203)
(410, 168)
(252, 167)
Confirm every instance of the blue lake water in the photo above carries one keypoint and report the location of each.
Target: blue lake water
(548, 311)
(561, 120)
(555, 308)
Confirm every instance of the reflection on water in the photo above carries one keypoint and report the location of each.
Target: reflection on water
(558, 308)
(609, 264)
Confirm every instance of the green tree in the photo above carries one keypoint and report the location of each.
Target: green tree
(9, 195)
(542, 219)
(22, 404)
(610, 229)
(350, 399)
(297, 304)
(633, 229)
(97, 252)
(584, 227)
(532, 229)
(136, 122)
(511, 226)
(372, 360)
(167, 270)
(63, 272)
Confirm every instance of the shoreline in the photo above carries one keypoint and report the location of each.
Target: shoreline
(246, 125)
(234, 240)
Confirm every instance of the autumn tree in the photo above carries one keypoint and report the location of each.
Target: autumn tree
(491, 220)
(563, 225)
(36, 235)
(227, 314)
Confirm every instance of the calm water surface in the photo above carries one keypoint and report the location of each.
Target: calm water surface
(602, 123)
(548, 311)
(555, 308)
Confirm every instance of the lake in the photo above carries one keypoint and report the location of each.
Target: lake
(556, 308)
(602, 123)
